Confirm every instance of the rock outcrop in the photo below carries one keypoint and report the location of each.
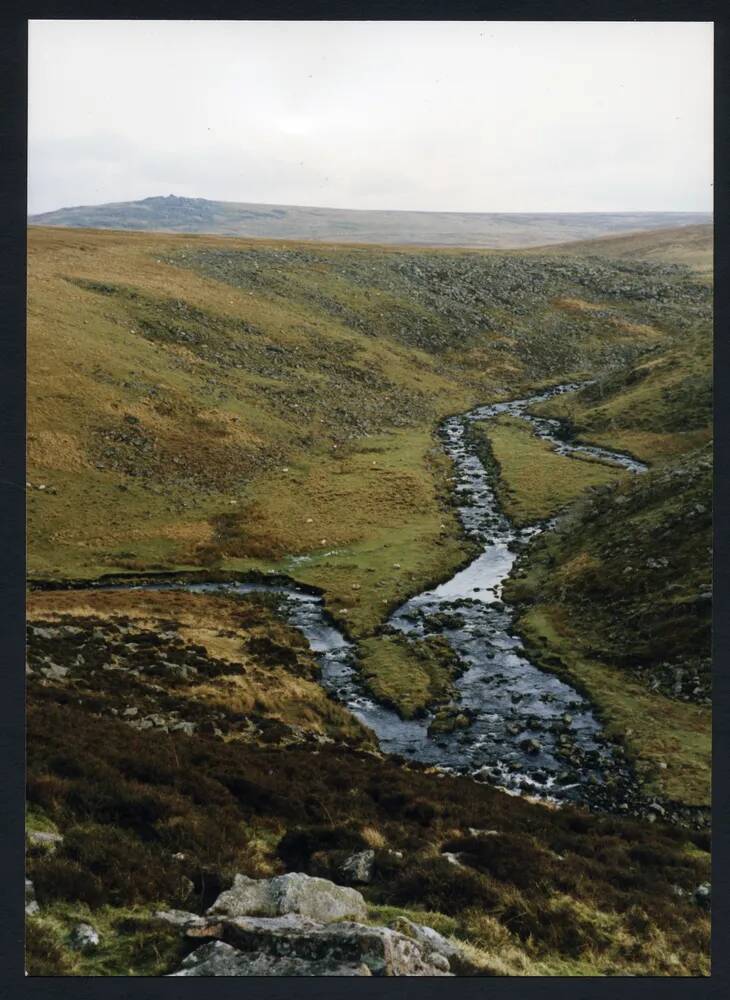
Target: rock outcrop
(296, 925)
(220, 959)
(292, 945)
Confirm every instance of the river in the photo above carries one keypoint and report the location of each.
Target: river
(512, 724)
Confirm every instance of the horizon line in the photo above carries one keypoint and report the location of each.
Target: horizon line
(422, 211)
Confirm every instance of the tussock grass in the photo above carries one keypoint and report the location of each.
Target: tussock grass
(132, 942)
(277, 676)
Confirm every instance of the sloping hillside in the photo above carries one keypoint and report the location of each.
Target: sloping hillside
(619, 599)
(464, 229)
(201, 402)
(619, 595)
(656, 408)
(689, 245)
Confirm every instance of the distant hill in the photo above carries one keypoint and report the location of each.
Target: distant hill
(464, 229)
(689, 245)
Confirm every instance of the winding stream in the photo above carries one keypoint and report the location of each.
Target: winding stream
(518, 727)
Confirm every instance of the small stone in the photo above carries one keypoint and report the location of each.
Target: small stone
(31, 904)
(84, 937)
(181, 918)
(359, 867)
(703, 894)
(44, 839)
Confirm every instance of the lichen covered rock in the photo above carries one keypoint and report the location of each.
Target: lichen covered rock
(315, 898)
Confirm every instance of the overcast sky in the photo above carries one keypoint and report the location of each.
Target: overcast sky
(451, 116)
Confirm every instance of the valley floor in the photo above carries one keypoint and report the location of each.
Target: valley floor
(224, 406)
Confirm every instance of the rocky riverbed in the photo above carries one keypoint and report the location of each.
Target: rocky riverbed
(511, 724)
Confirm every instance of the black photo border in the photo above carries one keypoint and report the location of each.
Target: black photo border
(13, 170)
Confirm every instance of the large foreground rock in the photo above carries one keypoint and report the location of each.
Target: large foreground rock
(291, 945)
(315, 898)
(437, 949)
(220, 959)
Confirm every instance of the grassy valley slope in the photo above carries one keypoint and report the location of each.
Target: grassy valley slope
(687, 245)
(197, 402)
(619, 595)
(210, 404)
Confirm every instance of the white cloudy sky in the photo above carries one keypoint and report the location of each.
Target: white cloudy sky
(452, 116)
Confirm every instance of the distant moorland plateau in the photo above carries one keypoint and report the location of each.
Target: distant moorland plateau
(496, 230)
